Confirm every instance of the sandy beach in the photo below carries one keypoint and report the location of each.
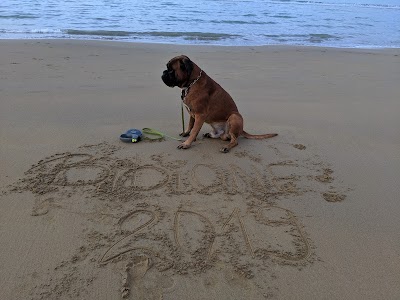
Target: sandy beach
(310, 214)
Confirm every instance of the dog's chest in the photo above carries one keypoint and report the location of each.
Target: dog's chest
(186, 103)
(189, 110)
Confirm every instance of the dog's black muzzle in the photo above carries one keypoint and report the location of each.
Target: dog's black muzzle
(168, 77)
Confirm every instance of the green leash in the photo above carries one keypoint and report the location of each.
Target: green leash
(158, 135)
(183, 118)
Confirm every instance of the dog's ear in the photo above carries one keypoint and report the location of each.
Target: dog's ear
(187, 65)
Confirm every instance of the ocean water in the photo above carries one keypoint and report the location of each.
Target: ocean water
(327, 23)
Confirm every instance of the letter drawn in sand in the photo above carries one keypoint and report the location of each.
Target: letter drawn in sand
(200, 229)
(143, 178)
(48, 170)
(236, 213)
(283, 217)
(125, 245)
(242, 181)
(81, 174)
(207, 178)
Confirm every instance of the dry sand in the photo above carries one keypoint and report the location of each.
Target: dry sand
(311, 214)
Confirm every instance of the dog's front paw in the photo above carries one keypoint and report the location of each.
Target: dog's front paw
(185, 133)
(184, 146)
(224, 150)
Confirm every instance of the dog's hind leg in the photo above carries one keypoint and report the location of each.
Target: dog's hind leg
(234, 129)
(231, 144)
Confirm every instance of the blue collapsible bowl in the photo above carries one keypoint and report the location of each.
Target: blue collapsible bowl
(131, 134)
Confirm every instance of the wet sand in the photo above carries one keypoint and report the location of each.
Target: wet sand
(309, 214)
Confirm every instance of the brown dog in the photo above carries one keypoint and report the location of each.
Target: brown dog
(206, 101)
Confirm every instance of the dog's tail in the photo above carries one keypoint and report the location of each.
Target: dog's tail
(258, 136)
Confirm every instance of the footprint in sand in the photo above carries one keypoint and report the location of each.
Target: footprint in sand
(142, 282)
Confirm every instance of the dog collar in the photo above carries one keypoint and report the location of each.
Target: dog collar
(185, 91)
